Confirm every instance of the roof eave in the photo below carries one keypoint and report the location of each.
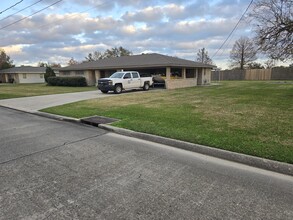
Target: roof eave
(136, 66)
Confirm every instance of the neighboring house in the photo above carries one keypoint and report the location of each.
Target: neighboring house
(56, 70)
(178, 73)
(23, 74)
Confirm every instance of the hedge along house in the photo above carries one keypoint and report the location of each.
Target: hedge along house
(23, 74)
(176, 72)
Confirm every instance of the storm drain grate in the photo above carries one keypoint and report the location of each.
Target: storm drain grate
(96, 120)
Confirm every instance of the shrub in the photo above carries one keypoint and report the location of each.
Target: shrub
(77, 81)
(49, 73)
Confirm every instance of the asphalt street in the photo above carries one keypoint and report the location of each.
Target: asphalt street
(59, 170)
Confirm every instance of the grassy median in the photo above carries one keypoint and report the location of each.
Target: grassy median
(254, 118)
(8, 91)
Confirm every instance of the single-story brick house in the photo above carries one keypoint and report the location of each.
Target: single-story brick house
(23, 74)
(177, 72)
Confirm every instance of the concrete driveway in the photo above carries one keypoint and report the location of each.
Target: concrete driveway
(35, 103)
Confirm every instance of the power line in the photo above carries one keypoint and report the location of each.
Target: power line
(233, 29)
(21, 10)
(11, 6)
(29, 15)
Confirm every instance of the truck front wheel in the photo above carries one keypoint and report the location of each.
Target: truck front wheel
(118, 89)
(146, 86)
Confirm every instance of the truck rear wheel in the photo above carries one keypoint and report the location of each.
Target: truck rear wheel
(104, 91)
(146, 86)
(118, 89)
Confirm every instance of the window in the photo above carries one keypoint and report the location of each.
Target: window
(24, 75)
(117, 75)
(127, 76)
(79, 73)
(135, 75)
(41, 76)
(190, 73)
(176, 73)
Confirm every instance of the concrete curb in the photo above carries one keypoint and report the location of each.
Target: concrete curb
(266, 164)
(46, 115)
(56, 117)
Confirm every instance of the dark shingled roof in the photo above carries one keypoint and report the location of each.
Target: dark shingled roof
(137, 61)
(24, 69)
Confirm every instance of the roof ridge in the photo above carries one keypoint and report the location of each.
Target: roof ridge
(165, 57)
(137, 60)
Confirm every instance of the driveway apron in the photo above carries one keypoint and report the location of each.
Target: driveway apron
(35, 103)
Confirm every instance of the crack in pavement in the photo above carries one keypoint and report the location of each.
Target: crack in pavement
(53, 148)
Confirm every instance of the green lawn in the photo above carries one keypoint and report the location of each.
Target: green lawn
(8, 91)
(249, 117)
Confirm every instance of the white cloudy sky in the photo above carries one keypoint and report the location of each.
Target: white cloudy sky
(74, 28)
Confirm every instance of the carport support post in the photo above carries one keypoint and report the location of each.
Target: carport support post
(168, 73)
(6, 77)
(98, 75)
(184, 73)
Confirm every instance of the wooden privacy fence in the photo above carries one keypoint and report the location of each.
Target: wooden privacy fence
(277, 73)
(258, 74)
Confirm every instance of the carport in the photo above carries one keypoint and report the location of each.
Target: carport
(176, 72)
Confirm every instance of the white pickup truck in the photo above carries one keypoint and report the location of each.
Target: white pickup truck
(125, 80)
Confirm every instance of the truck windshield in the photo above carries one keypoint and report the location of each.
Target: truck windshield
(117, 75)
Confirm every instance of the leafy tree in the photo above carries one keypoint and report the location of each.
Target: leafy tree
(113, 52)
(117, 52)
(273, 25)
(269, 64)
(5, 61)
(243, 53)
(49, 72)
(52, 65)
(203, 57)
(72, 62)
(42, 64)
(255, 65)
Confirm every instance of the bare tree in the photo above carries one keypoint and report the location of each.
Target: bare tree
(203, 57)
(273, 25)
(243, 53)
(72, 62)
(96, 55)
